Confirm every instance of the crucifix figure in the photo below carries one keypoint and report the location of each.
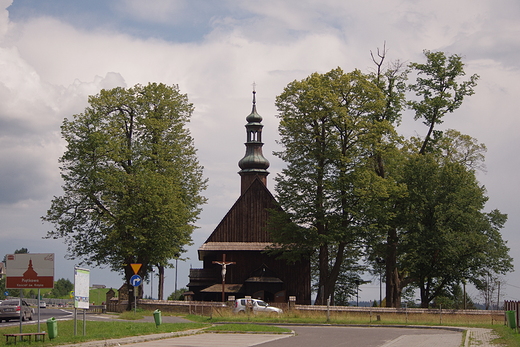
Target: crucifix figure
(224, 265)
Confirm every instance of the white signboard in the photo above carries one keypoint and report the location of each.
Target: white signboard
(29, 270)
(81, 288)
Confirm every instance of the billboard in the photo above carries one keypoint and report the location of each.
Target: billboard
(81, 288)
(29, 270)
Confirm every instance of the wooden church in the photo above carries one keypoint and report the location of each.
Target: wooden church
(234, 259)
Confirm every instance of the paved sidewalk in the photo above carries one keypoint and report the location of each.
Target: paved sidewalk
(480, 337)
(425, 340)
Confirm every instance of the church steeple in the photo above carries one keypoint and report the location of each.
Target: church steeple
(253, 164)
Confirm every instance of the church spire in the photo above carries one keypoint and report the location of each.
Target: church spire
(253, 164)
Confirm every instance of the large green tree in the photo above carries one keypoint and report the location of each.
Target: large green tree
(446, 237)
(439, 89)
(132, 181)
(329, 129)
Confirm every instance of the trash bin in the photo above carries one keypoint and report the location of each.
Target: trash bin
(52, 327)
(157, 317)
(511, 319)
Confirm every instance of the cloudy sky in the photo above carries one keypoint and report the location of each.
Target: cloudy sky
(53, 54)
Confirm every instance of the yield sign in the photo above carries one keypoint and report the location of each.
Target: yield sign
(136, 267)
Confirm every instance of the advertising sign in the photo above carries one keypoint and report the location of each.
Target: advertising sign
(29, 270)
(81, 288)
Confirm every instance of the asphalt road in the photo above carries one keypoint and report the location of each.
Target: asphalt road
(367, 337)
(318, 336)
(305, 336)
(45, 313)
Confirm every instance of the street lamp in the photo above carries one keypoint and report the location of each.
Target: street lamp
(380, 261)
(151, 283)
(357, 292)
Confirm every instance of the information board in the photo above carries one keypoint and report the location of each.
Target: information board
(81, 288)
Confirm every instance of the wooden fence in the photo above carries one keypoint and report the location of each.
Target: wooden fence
(513, 306)
(206, 308)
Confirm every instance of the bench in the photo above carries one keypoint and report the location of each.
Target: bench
(37, 337)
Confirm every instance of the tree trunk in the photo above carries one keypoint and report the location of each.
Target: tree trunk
(393, 282)
(128, 274)
(323, 290)
(160, 293)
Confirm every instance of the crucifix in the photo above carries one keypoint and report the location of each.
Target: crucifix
(224, 264)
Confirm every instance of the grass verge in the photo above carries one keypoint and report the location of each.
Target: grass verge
(97, 331)
(508, 337)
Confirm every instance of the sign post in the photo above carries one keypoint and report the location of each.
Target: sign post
(135, 281)
(81, 295)
(28, 271)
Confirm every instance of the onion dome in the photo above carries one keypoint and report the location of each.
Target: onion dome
(253, 163)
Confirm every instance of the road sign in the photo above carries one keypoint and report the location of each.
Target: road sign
(136, 280)
(29, 270)
(136, 267)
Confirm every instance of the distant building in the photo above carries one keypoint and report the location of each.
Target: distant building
(242, 237)
(2, 270)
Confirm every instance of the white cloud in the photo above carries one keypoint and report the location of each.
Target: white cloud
(48, 67)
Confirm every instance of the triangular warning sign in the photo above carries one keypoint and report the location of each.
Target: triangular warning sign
(136, 267)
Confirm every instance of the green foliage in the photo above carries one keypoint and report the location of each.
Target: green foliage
(330, 125)
(438, 90)
(132, 181)
(446, 237)
(352, 185)
(178, 294)
(453, 298)
(62, 288)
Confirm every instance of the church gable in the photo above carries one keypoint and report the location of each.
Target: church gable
(242, 238)
(247, 220)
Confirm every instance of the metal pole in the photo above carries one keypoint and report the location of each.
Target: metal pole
(498, 296)
(357, 292)
(39, 310)
(380, 289)
(21, 309)
(176, 267)
(75, 321)
(464, 286)
(328, 309)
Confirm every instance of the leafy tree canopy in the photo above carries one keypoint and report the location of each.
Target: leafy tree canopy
(330, 124)
(132, 182)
